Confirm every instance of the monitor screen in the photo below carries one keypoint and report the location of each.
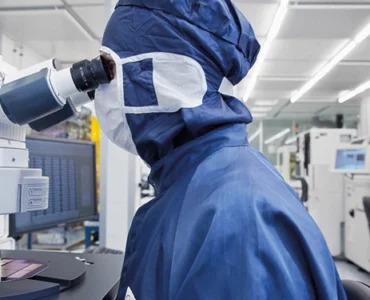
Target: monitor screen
(70, 166)
(350, 159)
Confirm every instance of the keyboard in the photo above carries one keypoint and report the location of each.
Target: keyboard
(102, 250)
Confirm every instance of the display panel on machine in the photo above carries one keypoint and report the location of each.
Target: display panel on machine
(70, 167)
(351, 159)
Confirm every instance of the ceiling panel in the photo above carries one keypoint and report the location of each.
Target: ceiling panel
(28, 3)
(343, 78)
(350, 104)
(277, 85)
(295, 116)
(338, 109)
(260, 15)
(83, 2)
(270, 94)
(62, 50)
(93, 16)
(323, 23)
(357, 73)
(44, 25)
(304, 49)
(304, 107)
(361, 53)
(288, 68)
(322, 93)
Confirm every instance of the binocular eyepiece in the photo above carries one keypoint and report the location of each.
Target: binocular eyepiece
(88, 75)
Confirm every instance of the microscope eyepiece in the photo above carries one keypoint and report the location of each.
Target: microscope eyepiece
(88, 75)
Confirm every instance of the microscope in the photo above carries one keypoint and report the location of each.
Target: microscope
(41, 96)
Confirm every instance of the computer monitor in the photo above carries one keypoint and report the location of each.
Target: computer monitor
(71, 168)
(351, 159)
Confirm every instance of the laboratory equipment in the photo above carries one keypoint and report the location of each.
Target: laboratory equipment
(351, 159)
(325, 196)
(286, 160)
(40, 96)
(70, 167)
(69, 276)
(354, 162)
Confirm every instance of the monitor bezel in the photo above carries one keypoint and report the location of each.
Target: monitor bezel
(13, 232)
(350, 171)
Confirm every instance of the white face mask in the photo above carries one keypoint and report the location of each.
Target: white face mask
(177, 82)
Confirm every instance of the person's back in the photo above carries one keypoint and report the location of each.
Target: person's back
(224, 224)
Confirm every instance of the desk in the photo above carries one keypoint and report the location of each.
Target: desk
(100, 280)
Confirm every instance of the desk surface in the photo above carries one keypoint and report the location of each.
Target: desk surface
(101, 278)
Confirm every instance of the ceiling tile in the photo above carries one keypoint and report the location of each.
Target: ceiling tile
(323, 23)
(338, 109)
(304, 49)
(28, 3)
(304, 107)
(93, 16)
(85, 2)
(361, 53)
(62, 50)
(40, 25)
(270, 94)
(288, 68)
(277, 85)
(295, 116)
(260, 15)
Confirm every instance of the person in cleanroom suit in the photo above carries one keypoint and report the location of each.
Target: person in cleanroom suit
(224, 224)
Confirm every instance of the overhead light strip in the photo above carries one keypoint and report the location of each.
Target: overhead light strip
(355, 92)
(291, 140)
(255, 135)
(337, 57)
(261, 109)
(273, 32)
(259, 115)
(278, 136)
(266, 102)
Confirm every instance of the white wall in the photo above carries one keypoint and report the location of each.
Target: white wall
(18, 55)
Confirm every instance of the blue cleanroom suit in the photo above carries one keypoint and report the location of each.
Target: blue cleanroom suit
(224, 224)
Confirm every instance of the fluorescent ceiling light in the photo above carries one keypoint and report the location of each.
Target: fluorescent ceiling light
(259, 115)
(273, 32)
(291, 140)
(261, 109)
(278, 136)
(266, 102)
(351, 94)
(363, 34)
(337, 57)
(255, 135)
